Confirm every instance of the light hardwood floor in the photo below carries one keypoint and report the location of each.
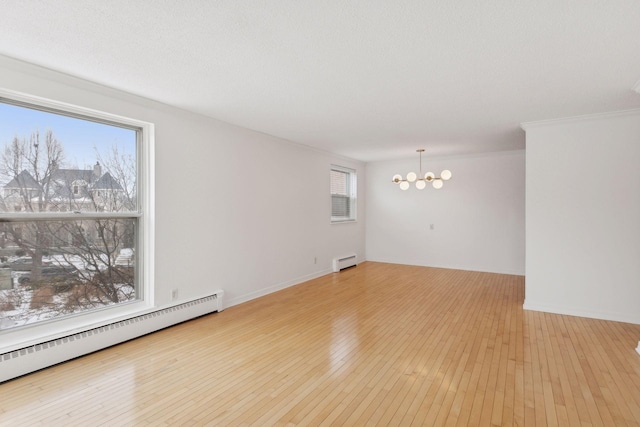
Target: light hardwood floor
(379, 344)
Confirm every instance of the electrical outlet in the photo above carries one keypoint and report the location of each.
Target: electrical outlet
(430, 226)
(174, 294)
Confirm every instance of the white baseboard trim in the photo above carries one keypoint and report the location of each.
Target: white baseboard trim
(271, 289)
(592, 314)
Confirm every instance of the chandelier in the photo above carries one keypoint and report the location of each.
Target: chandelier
(421, 180)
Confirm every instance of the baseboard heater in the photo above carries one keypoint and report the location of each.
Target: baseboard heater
(344, 262)
(35, 357)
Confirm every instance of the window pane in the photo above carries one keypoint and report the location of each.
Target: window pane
(51, 269)
(340, 206)
(55, 163)
(343, 194)
(339, 182)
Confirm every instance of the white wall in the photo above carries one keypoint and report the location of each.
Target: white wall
(583, 216)
(235, 209)
(477, 217)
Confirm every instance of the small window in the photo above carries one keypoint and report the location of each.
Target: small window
(343, 194)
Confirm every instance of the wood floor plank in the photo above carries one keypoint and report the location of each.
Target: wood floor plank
(379, 344)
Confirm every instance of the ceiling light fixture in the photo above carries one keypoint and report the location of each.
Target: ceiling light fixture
(420, 180)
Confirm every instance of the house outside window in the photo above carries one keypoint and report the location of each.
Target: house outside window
(49, 216)
(343, 187)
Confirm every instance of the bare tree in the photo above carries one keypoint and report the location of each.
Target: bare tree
(31, 164)
(122, 167)
(37, 182)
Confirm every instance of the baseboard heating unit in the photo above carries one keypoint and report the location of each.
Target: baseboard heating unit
(344, 262)
(32, 358)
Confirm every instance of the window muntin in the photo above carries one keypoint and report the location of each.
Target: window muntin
(70, 205)
(343, 194)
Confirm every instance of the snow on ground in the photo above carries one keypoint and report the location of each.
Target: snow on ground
(23, 314)
(21, 296)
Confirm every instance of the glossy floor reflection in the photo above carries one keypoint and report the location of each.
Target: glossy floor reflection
(379, 344)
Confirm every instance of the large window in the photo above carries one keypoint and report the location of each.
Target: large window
(74, 211)
(343, 194)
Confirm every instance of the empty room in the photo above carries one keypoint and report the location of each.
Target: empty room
(299, 213)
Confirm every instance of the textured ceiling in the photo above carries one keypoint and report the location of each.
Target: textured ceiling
(370, 80)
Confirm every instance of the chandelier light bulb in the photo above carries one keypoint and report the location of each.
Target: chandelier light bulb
(421, 180)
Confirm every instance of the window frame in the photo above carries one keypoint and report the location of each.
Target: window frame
(30, 334)
(352, 190)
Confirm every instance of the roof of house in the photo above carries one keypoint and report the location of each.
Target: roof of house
(23, 180)
(65, 179)
(71, 175)
(106, 182)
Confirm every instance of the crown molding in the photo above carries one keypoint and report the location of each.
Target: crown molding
(586, 117)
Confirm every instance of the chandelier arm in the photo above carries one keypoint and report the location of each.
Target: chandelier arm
(429, 177)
